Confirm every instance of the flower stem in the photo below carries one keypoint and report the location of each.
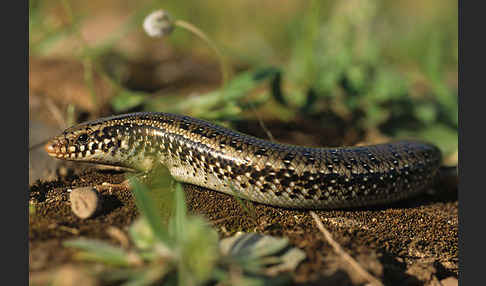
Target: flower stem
(226, 73)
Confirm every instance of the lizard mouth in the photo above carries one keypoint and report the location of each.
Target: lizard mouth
(53, 149)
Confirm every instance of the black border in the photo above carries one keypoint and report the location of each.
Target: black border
(472, 197)
(15, 160)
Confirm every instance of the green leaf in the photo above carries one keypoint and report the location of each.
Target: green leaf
(126, 100)
(142, 234)
(427, 112)
(147, 207)
(179, 221)
(217, 104)
(99, 251)
(49, 39)
(375, 115)
(149, 276)
(258, 253)
(199, 251)
(252, 244)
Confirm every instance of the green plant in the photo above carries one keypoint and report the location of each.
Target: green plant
(181, 249)
(338, 66)
(379, 66)
(226, 103)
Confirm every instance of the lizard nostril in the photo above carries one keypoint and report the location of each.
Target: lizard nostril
(51, 148)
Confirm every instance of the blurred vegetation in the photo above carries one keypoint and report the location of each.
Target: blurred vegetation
(386, 66)
(170, 247)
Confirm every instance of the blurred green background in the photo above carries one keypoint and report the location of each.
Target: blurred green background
(385, 67)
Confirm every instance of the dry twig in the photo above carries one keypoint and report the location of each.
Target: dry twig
(346, 257)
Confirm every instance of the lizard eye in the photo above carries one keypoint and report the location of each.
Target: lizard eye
(82, 138)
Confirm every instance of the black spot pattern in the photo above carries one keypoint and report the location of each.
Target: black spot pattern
(198, 152)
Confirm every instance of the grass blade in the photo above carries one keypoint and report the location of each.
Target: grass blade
(95, 250)
(180, 217)
(149, 210)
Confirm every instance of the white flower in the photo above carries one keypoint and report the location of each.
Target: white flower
(158, 24)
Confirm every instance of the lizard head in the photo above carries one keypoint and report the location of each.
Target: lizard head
(117, 141)
(87, 142)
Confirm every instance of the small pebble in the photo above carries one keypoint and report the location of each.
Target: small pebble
(84, 202)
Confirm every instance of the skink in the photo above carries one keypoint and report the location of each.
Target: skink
(201, 153)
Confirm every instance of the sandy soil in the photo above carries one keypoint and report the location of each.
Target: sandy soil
(406, 242)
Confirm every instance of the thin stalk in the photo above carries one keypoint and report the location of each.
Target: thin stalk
(200, 34)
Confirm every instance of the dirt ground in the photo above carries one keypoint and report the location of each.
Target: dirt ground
(405, 244)
(414, 242)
